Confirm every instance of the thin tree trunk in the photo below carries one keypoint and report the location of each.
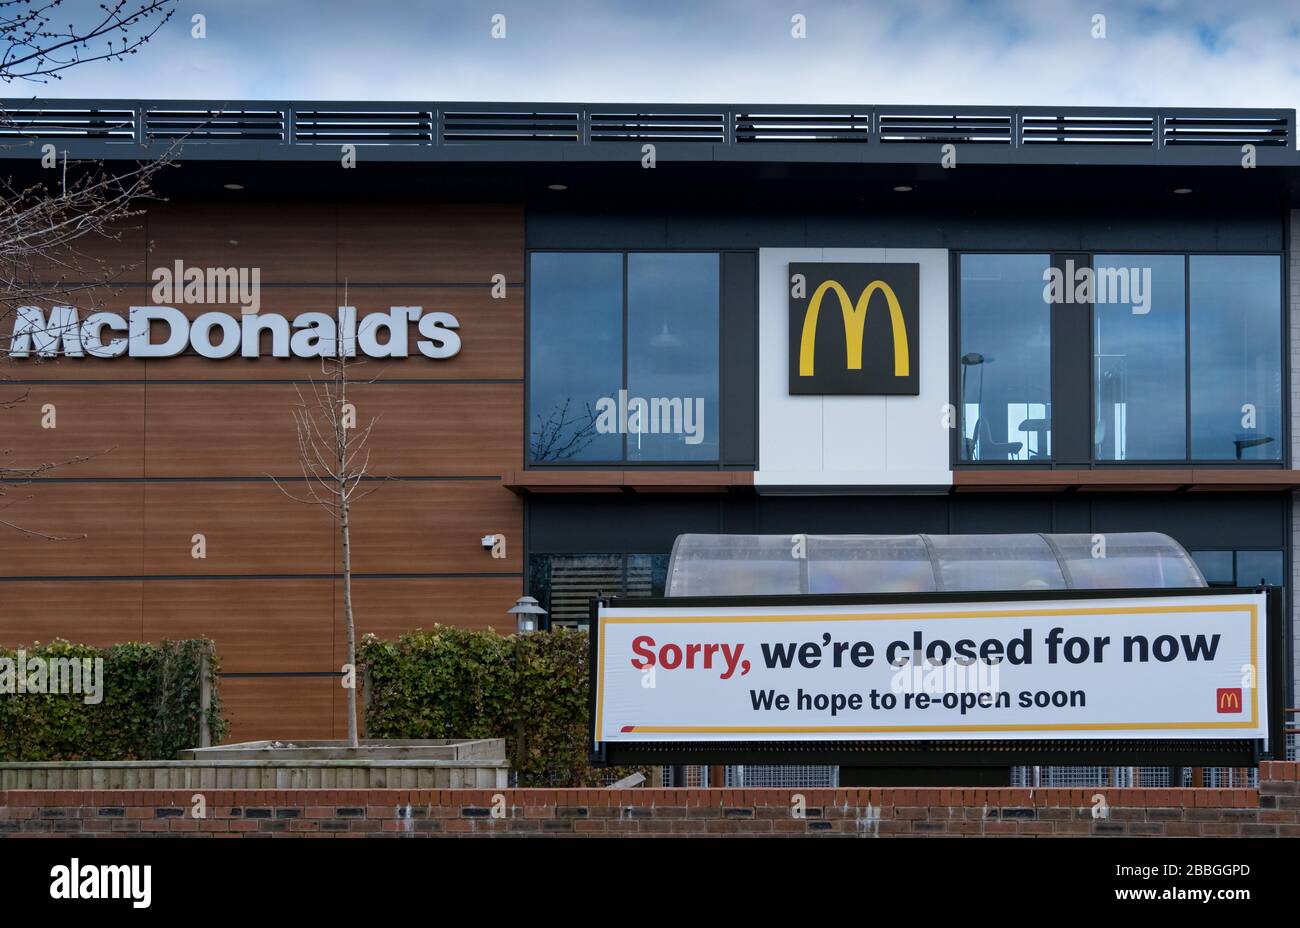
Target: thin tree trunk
(341, 443)
(352, 633)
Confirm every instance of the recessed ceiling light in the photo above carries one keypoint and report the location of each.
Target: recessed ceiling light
(902, 188)
(233, 186)
(557, 186)
(1182, 190)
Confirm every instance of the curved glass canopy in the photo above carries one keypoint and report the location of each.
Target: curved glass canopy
(751, 565)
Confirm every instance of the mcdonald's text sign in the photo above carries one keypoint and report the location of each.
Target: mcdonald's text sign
(854, 329)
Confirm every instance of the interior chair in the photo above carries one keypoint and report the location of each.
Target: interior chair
(988, 449)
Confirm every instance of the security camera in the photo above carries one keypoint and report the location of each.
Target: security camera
(488, 541)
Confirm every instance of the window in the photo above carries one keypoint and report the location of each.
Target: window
(575, 345)
(1184, 352)
(1240, 568)
(672, 355)
(623, 357)
(1005, 360)
(1138, 344)
(565, 584)
(1236, 359)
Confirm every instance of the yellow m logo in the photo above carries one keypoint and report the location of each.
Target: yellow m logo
(855, 318)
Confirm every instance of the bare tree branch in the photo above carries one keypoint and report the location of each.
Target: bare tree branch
(37, 48)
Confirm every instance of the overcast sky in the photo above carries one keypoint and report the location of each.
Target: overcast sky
(1194, 53)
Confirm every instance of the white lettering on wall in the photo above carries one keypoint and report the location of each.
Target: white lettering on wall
(164, 332)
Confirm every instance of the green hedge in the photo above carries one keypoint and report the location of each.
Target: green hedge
(149, 708)
(457, 683)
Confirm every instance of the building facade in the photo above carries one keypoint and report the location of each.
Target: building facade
(1098, 310)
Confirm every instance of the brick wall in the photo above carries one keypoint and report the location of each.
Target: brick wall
(1271, 811)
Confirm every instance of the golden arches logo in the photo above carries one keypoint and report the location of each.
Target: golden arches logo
(1229, 699)
(855, 319)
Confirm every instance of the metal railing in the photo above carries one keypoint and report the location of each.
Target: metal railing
(594, 125)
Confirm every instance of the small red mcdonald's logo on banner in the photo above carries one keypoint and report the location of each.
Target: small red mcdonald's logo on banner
(1229, 699)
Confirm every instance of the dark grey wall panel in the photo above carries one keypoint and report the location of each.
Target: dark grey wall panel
(852, 515)
(978, 514)
(648, 524)
(978, 227)
(616, 524)
(1071, 412)
(739, 350)
(1220, 520)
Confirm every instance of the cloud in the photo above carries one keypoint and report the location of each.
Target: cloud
(1026, 52)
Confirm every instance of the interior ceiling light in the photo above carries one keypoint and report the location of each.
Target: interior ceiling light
(1182, 190)
(233, 186)
(557, 186)
(902, 188)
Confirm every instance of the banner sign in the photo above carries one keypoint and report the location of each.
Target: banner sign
(1129, 667)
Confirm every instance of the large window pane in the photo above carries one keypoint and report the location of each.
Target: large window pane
(1139, 345)
(575, 344)
(1216, 566)
(672, 357)
(1254, 566)
(1006, 376)
(1236, 358)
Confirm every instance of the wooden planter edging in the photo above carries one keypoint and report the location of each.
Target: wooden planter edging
(257, 774)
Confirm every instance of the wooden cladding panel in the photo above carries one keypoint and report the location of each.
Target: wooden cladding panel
(309, 243)
(259, 626)
(443, 429)
(391, 607)
(435, 527)
(289, 243)
(94, 612)
(284, 708)
(100, 423)
(248, 528)
(422, 243)
(110, 516)
(135, 529)
(205, 430)
(159, 422)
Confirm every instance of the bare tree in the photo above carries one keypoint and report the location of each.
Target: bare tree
(335, 458)
(38, 46)
(49, 229)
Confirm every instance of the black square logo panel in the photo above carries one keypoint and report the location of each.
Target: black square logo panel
(855, 329)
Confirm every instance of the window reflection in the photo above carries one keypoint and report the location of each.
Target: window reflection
(1139, 343)
(597, 393)
(672, 356)
(575, 345)
(1005, 361)
(1236, 362)
(1240, 568)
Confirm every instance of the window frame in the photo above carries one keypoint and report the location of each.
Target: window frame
(1093, 462)
(622, 463)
